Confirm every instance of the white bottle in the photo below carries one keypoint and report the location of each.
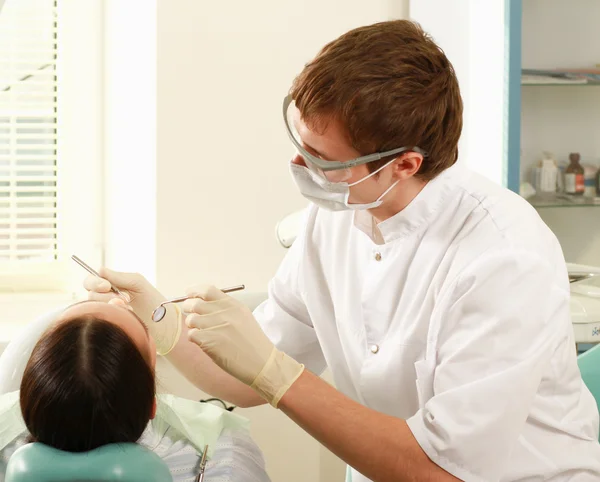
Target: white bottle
(548, 174)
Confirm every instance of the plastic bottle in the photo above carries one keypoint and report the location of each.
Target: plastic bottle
(574, 176)
(547, 174)
(589, 174)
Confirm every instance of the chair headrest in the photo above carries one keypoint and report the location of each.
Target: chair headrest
(589, 366)
(109, 463)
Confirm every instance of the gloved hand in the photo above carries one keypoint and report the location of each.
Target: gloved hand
(143, 298)
(228, 332)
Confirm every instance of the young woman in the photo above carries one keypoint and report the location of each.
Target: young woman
(90, 382)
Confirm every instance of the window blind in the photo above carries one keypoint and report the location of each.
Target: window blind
(29, 219)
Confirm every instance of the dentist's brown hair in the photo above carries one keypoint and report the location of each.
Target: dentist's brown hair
(391, 86)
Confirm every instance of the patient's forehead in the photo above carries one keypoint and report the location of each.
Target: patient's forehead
(115, 314)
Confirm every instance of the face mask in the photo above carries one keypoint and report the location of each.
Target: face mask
(332, 196)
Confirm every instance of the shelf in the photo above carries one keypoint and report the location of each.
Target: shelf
(563, 201)
(558, 84)
(560, 77)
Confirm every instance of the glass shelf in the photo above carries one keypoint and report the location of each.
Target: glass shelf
(558, 84)
(563, 201)
(558, 77)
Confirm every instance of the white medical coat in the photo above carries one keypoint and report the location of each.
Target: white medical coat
(452, 315)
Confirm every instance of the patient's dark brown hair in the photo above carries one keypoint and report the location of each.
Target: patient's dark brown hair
(86, 385)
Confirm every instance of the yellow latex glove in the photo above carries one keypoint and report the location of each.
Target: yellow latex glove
(143, 298)
(228, 332)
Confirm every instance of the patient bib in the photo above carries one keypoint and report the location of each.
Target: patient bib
(199, 423)
(11, 421)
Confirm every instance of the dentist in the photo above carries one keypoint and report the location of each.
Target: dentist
(439, 300)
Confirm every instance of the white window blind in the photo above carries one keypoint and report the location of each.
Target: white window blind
(29, 161)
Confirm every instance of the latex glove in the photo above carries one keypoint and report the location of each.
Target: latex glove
(228, 332)
(143, 298)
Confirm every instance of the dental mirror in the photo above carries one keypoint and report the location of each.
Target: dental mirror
(159, 313)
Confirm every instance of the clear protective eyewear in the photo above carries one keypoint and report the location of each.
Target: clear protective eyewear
(334, 171)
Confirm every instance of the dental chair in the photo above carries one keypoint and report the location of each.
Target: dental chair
(585, 304)
(36, 462)
(128, 462)
(287, 229)
(589, 366)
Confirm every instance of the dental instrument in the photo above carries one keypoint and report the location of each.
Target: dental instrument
(200, 477)
(92, 271)
(159, 313)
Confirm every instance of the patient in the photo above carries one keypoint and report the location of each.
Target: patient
(90, 382)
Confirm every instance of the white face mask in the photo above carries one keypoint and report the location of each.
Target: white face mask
(332, 195)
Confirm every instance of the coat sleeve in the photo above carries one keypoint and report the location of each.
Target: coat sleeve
(284, 317)
(498, 326)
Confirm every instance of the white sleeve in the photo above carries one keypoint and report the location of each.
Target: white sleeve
(283, 316)
(499, 324)
(236, 458)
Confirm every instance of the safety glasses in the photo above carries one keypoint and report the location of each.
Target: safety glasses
(326, 167)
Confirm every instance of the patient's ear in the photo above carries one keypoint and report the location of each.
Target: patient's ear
(153, 414)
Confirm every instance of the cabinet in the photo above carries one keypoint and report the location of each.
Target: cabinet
(562, 116)
(509, 123)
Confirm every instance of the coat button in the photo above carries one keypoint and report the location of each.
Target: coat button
(377, 256)
(374, 349)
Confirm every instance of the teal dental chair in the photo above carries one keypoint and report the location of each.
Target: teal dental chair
(36, 462)
(589, 365)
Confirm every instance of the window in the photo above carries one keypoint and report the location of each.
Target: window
(50, 143)
(28, 158)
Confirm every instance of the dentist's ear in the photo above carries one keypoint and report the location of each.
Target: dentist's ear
(407, 165)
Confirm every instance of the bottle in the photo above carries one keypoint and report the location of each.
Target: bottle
(562, 167)
(547, 174)
(589, 176)
(574, 176)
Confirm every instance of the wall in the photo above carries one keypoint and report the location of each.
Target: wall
(472, 34)
(436, 16)
(563, 119)
(223, 70)
(222, 152)
(130, 133)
